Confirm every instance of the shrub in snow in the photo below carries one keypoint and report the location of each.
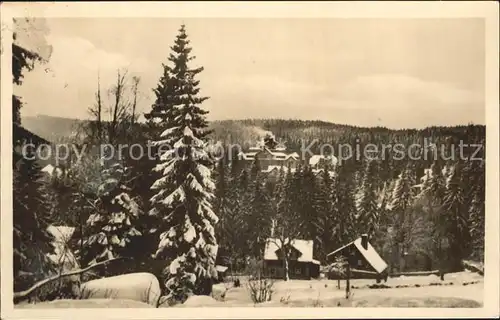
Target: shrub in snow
(112, 227)
(260, 289)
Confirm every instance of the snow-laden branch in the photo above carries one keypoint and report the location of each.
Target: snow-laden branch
(19, 296)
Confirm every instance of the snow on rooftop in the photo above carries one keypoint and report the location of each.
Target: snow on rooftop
(220, 268)
(314, 160)
(48, 168)
(303, 246)
(279, 154)
(370, 255)
(318, 171)
(247, 155)
(271, 168)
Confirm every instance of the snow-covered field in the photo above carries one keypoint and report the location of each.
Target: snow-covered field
(87, 303)
(463, 289)
(426, 291)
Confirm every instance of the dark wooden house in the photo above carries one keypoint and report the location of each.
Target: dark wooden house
(364, 261)
(301, 264)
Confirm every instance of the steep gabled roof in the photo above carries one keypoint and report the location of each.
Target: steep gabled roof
(305, 247)
(294, 155)
(370, 254)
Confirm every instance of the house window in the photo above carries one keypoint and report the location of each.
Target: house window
(298, 271)
(360, 263)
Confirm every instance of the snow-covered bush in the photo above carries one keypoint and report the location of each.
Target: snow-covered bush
(112, 227)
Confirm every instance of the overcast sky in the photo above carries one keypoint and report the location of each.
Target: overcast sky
(391, 72)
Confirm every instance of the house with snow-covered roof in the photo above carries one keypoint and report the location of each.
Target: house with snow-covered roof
(301, 264)
(318, 160)
(271, 157)
(363, 259)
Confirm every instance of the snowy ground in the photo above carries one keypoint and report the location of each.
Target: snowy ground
(87, 303)
(425, 291)
(463, 289)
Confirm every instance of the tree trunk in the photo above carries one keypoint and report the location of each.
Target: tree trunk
(348, 282)
(99, 110)
(134, 105)
(285, 269)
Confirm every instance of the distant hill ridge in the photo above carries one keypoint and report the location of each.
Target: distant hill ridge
(50, 127)
(249, 131)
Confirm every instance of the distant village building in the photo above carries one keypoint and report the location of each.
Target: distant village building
(364, 260)
(301, 264)
(318, 162)
(273, 157)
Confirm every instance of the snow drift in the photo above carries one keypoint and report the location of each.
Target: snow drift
(142, 287)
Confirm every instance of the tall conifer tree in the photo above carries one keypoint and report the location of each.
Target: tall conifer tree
(367, 221)
(31, 240)
(183, 201)
(456, 216)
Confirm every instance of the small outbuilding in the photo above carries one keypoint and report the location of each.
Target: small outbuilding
(221, 272)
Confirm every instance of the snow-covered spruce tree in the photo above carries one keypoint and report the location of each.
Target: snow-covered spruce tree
(328, 214)
(183, 202)
(477, 212)
(286, 219)
(456, 212)
(400, 206)
(32, 242)
(258, 221)
(30, 213)
(111, 229)
(227, 230)
(432, 195)
(343, 199)
(367, 217)
(241, 199)
(312, 206)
